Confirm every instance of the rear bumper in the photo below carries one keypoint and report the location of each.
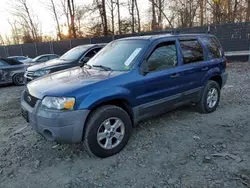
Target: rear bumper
(224, 76)
(63, 127)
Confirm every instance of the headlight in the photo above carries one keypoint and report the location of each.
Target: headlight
(59, 103)
(41, 72)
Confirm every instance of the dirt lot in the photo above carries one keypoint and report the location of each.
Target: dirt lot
(179, 149)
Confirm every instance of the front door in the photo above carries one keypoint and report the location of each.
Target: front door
(159, 89)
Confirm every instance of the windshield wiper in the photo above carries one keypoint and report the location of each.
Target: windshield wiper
(103, 67)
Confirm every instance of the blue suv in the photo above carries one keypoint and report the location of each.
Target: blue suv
(129, 80)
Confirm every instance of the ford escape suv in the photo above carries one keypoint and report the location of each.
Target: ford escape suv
(127, 81)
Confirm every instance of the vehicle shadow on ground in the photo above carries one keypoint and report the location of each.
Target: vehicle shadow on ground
(9, 85)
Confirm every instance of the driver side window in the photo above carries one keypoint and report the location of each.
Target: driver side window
(163, 57)
(92, 53)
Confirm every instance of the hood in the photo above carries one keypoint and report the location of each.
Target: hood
(65, 82)
(49, 64)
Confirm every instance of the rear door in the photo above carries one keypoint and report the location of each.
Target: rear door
(194, 66)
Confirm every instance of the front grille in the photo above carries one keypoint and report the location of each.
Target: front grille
(30, 73)
(30, 99)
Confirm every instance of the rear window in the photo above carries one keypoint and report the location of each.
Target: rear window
(214, 49)
(192, 51)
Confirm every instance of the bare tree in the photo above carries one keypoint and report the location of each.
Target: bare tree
(131, 8)
(119, 15)
(53, 9)
(101, 5)
(66, 14)
(112, 6)
(201, 12)
(51, 6)
(248, 11)
(15, 34)
(22, 12)
(71, 8)
(80, 12)
(138, 16)
(158, 6)
(1, 40)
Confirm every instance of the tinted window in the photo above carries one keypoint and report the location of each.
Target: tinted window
(163, 57)
(53, 57)
(119, 55)
(74, 53)
(20, 58)
(43, 59)
(191, 51)
(91, 53)
(213, 47)
(2, 63)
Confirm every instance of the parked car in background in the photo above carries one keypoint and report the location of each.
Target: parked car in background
(22, 59)
(127, 81)
(74, 57)
(44, 58)
(12, 71)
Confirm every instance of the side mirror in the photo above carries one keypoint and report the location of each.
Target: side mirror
(84, 60)
(144, 68)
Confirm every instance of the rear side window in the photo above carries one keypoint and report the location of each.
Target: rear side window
(192, 51)
(2, 63)
(43, 59)
(53, 57)
(213, 47)
(20, 58)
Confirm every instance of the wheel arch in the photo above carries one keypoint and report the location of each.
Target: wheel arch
(217, 78)
(120, 102)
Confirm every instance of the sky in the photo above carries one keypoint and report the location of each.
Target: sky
(45, 16)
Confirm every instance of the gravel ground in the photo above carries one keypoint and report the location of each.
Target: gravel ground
(182, 148)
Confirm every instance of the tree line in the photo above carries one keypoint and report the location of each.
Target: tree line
(110, 17)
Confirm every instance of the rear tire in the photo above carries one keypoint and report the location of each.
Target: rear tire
(18, 79)
(107, 131)
(210, 97)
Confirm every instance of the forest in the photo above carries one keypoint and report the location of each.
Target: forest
(112, 17)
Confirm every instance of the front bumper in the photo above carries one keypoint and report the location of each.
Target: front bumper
(63, 127)
(224, 76)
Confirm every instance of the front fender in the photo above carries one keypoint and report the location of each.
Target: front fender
(101, 96)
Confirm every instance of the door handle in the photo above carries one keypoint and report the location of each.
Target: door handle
(175, 75)
(204, 68)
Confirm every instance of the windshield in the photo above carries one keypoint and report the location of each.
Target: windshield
(73, 54)
(118, 55)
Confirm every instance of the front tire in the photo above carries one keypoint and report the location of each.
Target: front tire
(107, 131)
(210, 97)
(18, 79)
